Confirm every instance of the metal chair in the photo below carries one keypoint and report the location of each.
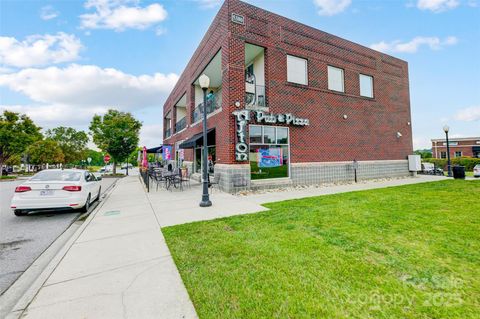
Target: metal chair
(216, 182)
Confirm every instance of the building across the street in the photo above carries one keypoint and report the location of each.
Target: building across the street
(464, 146)
(289, 104)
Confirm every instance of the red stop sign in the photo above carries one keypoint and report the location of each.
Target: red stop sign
(106, 158)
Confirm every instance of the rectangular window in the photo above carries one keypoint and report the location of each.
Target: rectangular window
(270, 158)
(366, 85)
(282, 135)
(268, 135)
(297, 70)
(255, 134)
(443, 154)
(458, 154)
(335, 79)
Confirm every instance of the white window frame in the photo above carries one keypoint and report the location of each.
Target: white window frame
(441, 155)
(291, 77)
(371, 84)
(461, 153)
(330, 82)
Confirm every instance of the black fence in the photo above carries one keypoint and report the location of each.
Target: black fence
(145, 177)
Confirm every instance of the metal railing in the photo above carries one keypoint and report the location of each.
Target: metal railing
(168, 132)
(145, 178)
(212, 106)
(180, 125)
(255, 95)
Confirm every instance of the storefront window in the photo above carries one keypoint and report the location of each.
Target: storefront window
(211, 159)
(269, 156)
(255, 134)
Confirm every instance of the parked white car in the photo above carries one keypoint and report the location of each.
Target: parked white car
(476, 171)
(56, 189)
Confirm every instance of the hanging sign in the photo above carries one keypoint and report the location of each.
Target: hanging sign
(167, 153)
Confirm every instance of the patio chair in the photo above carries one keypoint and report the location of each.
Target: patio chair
(216, 182)
(186, 176)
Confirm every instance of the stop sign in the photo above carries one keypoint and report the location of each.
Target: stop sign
(106, 158)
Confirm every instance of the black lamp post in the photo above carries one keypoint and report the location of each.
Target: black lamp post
(449, 166)
(204, 84)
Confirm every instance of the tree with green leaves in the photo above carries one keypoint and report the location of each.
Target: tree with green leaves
(17, 132)
(72, 142)
(116, 133)
(45, 152)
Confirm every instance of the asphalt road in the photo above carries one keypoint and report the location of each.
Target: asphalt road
(23, 239)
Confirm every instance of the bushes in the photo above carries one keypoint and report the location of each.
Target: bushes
(468, 162)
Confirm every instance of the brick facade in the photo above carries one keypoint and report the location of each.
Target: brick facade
(369, 131)
(469, 146)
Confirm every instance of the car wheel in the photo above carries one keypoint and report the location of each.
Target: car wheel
(19, 212)
(99, 193)
(87, 205)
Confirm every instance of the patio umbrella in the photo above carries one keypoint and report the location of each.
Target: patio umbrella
(145, 160)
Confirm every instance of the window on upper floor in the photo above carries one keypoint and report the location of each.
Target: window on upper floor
(297, 70)
(366, 85)
(335, 79)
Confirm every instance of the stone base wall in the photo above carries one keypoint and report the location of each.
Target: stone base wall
(233, 178)
(332, 172)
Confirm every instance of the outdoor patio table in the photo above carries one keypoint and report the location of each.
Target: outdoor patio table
(170, 179)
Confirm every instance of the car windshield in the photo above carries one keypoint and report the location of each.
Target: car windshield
(65, 176)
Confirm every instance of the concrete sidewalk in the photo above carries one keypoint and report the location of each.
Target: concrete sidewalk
(118, 264)
(118, 267)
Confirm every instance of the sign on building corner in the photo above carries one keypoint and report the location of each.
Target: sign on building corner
(241, 148)
(238, 19)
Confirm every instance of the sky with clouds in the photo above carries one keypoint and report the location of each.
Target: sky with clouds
(63, 61)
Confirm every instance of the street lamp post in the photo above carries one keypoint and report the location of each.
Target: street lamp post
(204, 84)
(449, 166)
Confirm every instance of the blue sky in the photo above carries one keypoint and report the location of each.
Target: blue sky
(63, 61)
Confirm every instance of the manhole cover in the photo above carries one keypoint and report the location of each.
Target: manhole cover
(111, 213)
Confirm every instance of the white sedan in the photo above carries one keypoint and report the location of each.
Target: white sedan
(56, 189)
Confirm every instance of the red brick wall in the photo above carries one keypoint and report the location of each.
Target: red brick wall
(464, 146)
(369, 132)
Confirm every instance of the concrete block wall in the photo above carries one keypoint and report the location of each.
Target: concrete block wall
(333, 172)
(233, 178)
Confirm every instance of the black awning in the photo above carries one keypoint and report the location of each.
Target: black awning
(158, 149)
(197, 140)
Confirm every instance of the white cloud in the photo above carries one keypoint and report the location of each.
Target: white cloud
(49, 116)
(151, 135)
(421, 142)
(331, 7)
(90, 86)
(412, 46)
(469, 114)
(48, 13)
(208, 4)
(437, 5)
(38, 50)
(121, 14)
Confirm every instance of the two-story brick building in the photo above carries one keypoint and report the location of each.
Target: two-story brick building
(289, 104)
(463, 146)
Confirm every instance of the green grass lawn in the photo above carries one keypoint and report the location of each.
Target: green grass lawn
(402, 252)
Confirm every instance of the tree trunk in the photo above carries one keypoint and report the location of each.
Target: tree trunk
(114, 168)
(1, 168)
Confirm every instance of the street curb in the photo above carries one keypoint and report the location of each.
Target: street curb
(28, 296)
